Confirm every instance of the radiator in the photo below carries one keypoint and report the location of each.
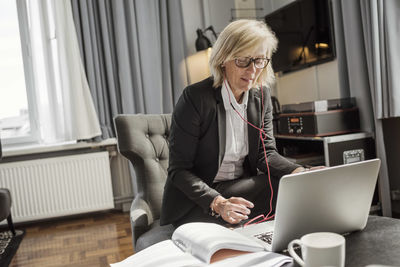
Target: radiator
(58, 186)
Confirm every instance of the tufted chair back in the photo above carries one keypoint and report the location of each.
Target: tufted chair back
(143, 140)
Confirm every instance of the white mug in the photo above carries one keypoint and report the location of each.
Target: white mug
(320, 249)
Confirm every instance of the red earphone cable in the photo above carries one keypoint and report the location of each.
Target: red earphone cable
(263, 136)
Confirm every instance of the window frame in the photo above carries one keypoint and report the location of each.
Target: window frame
(26, 49)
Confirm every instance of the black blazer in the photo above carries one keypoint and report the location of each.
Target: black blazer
(197, 147)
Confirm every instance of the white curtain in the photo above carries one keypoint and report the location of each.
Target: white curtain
(65, 109)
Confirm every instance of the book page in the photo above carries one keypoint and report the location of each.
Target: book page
(256, 259)
(202, 240)
(225, 254)
(162, 254)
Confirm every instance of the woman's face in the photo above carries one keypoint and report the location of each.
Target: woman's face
(243, 79)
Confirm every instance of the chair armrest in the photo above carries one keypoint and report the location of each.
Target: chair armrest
(5, 203)
(140, 208)
(141, 218)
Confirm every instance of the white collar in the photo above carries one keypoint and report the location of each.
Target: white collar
(227, 94)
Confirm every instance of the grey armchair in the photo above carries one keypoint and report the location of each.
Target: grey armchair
(5, 203)
(5, 208)
(143, 140)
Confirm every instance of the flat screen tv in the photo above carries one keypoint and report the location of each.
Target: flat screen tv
(304, 30)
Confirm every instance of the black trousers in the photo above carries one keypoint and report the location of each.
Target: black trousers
(255, 189)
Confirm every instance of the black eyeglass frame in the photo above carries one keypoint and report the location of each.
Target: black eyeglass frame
(252, 59)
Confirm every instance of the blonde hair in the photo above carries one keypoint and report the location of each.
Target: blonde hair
(237, 37)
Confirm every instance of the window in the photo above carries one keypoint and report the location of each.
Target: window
(43, 81)
(17, 105)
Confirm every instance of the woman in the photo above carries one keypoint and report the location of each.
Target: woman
(217, 169)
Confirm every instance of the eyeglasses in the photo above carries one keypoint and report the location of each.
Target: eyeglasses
(259, 63)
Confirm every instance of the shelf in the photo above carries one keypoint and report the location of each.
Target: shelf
(298, 137)
(329, 139)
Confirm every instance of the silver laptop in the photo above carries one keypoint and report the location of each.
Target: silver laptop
(334, 199)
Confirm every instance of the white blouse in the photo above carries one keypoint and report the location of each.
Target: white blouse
(237, 145)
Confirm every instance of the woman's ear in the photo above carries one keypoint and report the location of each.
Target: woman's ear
(222, 68)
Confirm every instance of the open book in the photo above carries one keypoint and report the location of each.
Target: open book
(199, 244)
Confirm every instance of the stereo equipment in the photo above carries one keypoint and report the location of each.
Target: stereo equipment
(320, 118)
(324, 123)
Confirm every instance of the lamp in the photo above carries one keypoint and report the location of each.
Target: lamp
(202, 42)
(198, 68)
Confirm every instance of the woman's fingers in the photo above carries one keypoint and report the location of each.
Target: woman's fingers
(241, 205)
(317, 168)
(236, 209)
(240, 200)
(233, 217)
(238, 215)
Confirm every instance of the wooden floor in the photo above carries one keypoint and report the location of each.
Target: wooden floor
(94, 240)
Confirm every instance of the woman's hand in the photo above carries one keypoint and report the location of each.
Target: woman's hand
(302, 169)
(233, 210)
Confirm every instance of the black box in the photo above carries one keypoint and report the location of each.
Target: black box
(336, 149)
(343, 149)
(331, 122)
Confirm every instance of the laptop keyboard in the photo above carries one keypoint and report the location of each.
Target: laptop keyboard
(265, 237)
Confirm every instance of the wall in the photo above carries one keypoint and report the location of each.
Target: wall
(199, 14)
(314, 83)
(269, 6)
(193, 18)
(218, 13)
(245, 9)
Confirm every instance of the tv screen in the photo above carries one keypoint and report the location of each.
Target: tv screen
(304, 29)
